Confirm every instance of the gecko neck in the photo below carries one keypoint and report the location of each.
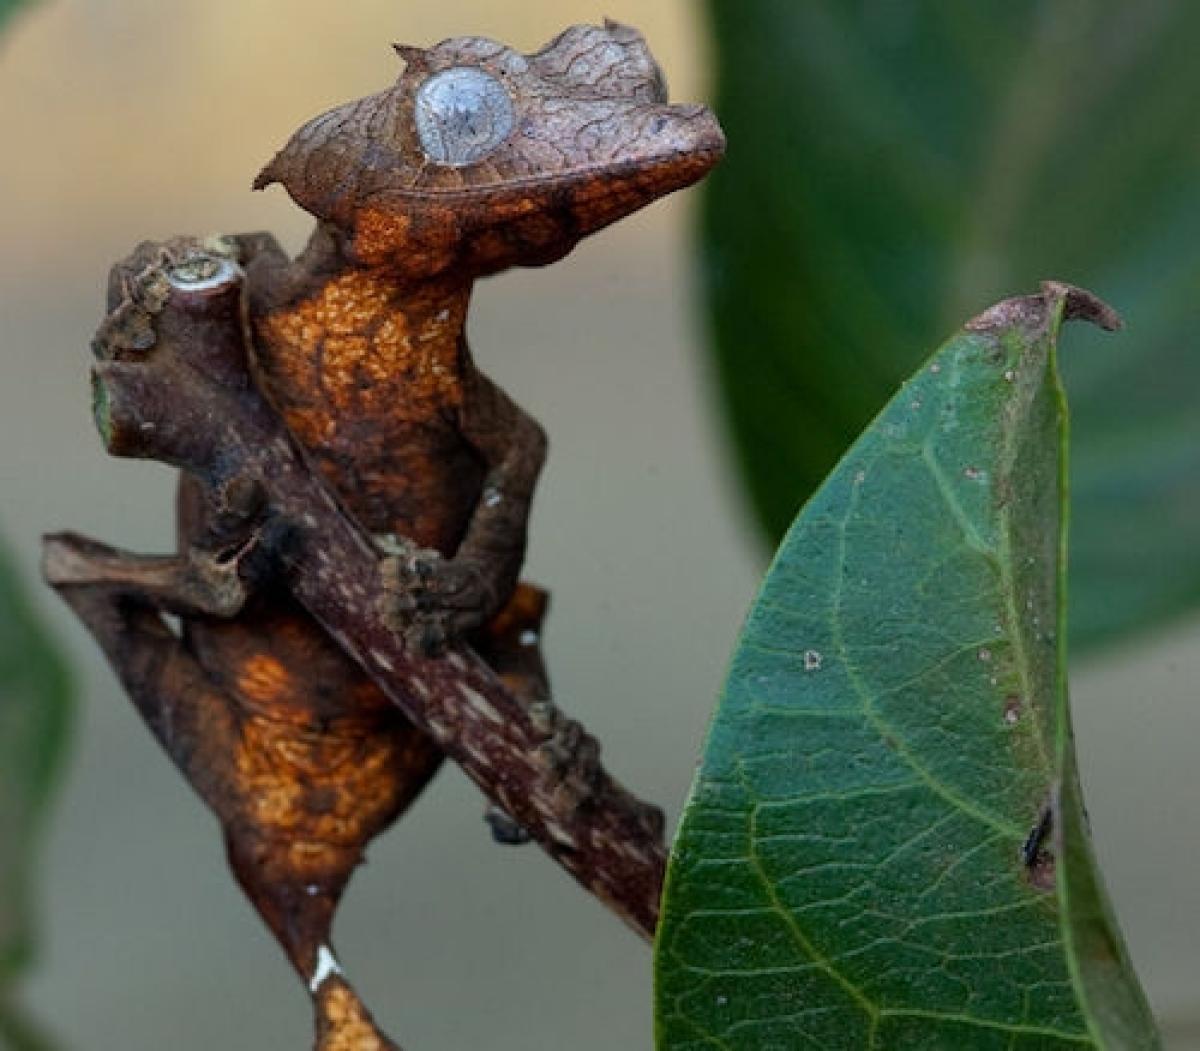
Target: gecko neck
(406, 320)
(370, 373)
(353, 342)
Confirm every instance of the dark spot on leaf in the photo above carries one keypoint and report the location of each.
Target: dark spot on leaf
(1035, 853)
(1041, 873)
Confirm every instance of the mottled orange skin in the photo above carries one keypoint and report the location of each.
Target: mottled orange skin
(343, 1024)
(370, 380)
(312, 752)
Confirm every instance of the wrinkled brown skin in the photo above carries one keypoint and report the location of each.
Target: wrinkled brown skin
(360, 346)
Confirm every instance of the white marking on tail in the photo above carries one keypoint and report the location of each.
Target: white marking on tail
(327, 967)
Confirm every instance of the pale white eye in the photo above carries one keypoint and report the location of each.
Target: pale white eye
(203, 273)
(462, 115)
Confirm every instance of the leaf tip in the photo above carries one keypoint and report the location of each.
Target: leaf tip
(1081, 305)
(1035, 311)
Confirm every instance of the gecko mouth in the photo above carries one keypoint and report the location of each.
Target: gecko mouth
(684, 166)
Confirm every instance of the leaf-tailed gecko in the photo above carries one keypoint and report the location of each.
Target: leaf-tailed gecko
(478, 159)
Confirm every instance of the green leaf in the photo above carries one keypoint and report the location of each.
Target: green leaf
(18, 1032)
(7, 9)
(858, 865)
(34, 709)
(892, 166)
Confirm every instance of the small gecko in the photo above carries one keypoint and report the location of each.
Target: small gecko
(479, 158)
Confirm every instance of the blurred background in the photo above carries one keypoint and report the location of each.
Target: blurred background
(130, 119)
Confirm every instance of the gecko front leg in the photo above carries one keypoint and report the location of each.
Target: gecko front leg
(436, 599)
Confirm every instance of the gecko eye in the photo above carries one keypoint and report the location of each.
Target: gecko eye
(462, 114)
(203, 273)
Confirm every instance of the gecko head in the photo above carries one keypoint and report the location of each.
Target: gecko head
(481, 158)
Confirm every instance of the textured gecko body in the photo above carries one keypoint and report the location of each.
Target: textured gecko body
(478, 159)
(369, 380)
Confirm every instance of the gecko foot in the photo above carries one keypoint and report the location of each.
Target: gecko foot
(431, 599)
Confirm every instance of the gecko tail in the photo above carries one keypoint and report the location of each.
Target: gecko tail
(342, 1021)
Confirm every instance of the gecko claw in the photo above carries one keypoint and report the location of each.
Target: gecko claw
(505, 829)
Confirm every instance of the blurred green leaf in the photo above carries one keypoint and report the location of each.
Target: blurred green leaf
(857, 866)
(34, 702)
(7, 9)
(894, 166)
(18, 1032)
(34, 707)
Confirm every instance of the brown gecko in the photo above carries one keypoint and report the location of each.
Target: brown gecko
(478, 159)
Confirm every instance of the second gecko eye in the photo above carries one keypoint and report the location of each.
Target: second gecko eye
(462, 114)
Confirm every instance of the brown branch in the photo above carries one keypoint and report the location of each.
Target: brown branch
(174, 384)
